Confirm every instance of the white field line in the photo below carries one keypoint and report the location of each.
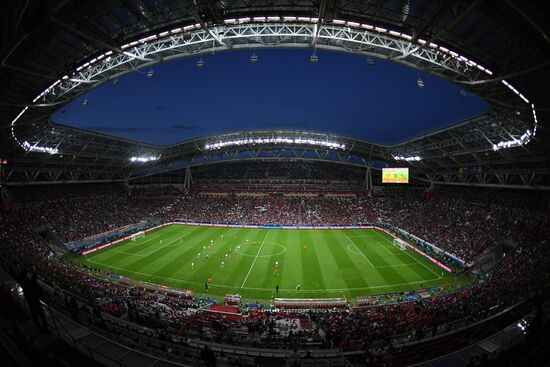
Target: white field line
(265, 289)
(393, 266)
(118, 246)
(168, 244)
(361, 252)
(381, 266)
(255, 258)
(147, 240)
(433, 272)
(385, 248)
(126, 253)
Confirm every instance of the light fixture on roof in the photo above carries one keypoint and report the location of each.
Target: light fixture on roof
(254, 58)
(419, 82)
(115, 81)
(405, 10)
(200, 63)
(515, 142)
(143, 159)
(40, 149)
(407, 158)
(275, 140)
(85, 102)
(150, 73)
(370, 61)
(314, 58)
(465, 93)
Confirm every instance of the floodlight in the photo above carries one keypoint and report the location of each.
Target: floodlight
(314, 59)
(200, 63)
(85, 102)
(254, 58)
(420, 83)
(150, 73)
(143, 159)
(370, 61)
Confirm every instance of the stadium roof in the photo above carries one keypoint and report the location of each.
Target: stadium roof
(53, 52)
(342, 94)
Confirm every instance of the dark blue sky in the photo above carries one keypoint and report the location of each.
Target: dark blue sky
(340, 94)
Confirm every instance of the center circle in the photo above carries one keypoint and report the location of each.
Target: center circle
(249, 244)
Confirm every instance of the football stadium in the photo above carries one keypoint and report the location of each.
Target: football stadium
(274, 183)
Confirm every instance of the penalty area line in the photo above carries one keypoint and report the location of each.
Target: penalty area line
(361, 252)
(430, 270)
(168, 244)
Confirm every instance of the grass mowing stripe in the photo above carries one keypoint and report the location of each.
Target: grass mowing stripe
(233, 273)
(168, 244)
(123, 271)
(312, 274)
(349, 273)
(264, 271)
(361, 252)
(379, 258)
(157, 255)
(199, 243)
(433, 272)
(410, 267)
(255, 258)
(331, 266)
(107, 256)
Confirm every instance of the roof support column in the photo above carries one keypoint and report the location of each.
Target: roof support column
(368, 179)
(188, 180)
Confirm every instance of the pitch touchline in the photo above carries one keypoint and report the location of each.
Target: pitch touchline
(269, 289)
(255, 258)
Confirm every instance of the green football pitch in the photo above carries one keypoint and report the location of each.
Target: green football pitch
(304, 263)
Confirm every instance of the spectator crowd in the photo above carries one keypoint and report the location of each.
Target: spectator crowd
(462, 222)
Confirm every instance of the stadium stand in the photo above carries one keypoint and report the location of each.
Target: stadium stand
(477, 184)
(462, 226)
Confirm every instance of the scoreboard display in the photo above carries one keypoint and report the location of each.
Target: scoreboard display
(395, 175)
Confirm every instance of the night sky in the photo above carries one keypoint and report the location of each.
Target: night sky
(340, 94)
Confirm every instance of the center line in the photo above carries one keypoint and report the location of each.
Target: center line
(255, 258)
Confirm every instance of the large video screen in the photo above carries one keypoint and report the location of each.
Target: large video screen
(395, 175)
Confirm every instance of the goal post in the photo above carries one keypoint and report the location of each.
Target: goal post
(398, 242)
(135, 236)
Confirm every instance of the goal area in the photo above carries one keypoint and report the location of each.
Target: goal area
(398, 242)
(135, 236)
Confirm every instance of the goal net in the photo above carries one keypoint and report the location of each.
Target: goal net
(137, 235)
(398, 242)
